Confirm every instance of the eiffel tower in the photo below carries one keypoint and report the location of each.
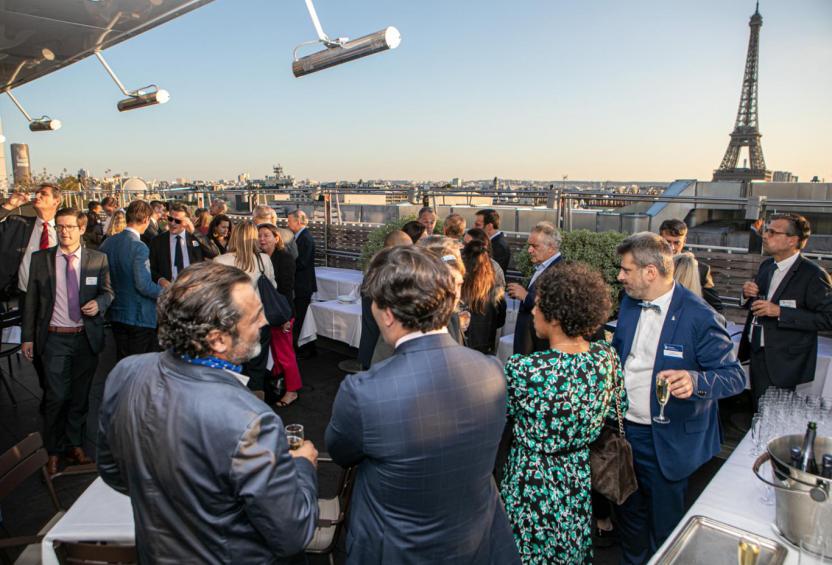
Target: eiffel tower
(746, 132)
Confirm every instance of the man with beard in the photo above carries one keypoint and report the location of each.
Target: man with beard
(205, 463)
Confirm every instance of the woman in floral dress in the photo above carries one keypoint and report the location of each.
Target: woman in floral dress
(558, 400)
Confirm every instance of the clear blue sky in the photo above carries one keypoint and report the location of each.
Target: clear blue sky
(644, 89)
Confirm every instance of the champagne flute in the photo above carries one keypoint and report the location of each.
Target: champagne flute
(294, 435)
(662, 395)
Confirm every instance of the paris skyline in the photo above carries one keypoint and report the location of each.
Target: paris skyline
(596, 90)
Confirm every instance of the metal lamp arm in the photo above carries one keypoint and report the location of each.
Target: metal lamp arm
(19, 106)
(322, 37)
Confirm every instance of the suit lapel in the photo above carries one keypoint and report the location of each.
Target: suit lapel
(764, 277)
(85, 292)
(785, 282)
(51, 259)
(626, 327)
(669, 327)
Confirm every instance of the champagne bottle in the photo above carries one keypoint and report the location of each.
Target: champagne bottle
(794, 452)
(807, 458)
(826, 467)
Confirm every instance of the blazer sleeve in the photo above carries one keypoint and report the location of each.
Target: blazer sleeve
(141, 272)
(105, 288)
(345, 432)
(720, 374)
(817, 313)
(285, 273)
(279, 492)
(155, 260)
(30, 307)
(104, 460)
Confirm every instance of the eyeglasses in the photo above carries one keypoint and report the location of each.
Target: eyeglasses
(61, 228)
(769, 231)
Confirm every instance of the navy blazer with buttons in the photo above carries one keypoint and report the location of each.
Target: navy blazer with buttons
(692, 437)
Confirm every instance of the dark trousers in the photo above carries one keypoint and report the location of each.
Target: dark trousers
(134, 340)
(650, 514)
(70, 365)
(255, 368)
(760, 379)
(301, 308)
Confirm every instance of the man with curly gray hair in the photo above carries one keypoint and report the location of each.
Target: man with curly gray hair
(206, 464)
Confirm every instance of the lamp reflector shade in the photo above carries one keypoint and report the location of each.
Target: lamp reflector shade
(388, 38)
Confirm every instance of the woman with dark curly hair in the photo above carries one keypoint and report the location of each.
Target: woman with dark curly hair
(558, 400)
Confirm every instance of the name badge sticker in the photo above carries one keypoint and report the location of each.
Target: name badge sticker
(92, 281)
(677, 351)
(788, 304)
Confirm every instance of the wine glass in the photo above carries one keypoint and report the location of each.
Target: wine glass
(662, 395)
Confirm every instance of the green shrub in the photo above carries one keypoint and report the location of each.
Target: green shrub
(375, 241)
(597, 249)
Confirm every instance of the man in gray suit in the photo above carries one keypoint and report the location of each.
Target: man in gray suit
(68, 293)
(423, 428)
(206, 464)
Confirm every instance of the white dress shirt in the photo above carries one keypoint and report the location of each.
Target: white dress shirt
(416, 335)
(60, 312)
(638, 368)
(34, 245)
(186, 260)
(542, 267)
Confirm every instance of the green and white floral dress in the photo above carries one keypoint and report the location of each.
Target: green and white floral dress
(556, 402)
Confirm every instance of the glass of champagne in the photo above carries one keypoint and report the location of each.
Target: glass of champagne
(294, 435)
(662, 395)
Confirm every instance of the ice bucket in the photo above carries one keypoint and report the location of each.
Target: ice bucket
(803, 500)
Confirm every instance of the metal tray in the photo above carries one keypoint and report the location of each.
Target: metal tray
(704, 540)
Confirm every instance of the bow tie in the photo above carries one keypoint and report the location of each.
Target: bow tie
(650, 306)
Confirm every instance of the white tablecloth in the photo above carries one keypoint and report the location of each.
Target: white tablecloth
(733, 497)
(332, 319)
(333, 282)
(99, 514)
(505, 348)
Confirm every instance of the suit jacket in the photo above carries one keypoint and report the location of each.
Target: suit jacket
(791, 342)
(305, 282)
(136, 293)
(204, 489)
(692, 437)
(160, 259)
(525, 338)
(15, 232)
(40, 297)
(709, 293)
(150, 233)
(423, 428)
(500, 251)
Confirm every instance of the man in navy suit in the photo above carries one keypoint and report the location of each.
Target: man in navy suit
(666, 332)
(544, 250)
(177, 248)
(488, 220)
(133, 312)
(423, 428)
(788, 302)
(306, 283)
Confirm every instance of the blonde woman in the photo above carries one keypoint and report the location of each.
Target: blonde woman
(447, 249)
(686, 272)
(244, 253)
(117, 224)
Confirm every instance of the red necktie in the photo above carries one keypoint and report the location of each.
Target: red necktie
(44, 236)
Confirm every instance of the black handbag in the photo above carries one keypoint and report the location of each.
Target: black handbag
(611, 455)
(275, 306)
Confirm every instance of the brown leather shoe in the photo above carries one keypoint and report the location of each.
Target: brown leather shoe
(77, 456)
(52, 464)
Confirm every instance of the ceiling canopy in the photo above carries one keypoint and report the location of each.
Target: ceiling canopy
(38, 37)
